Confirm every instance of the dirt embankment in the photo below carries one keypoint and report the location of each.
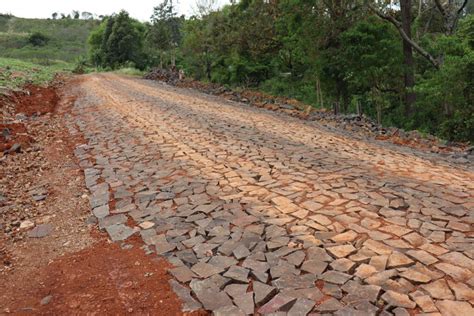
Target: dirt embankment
(51, 260)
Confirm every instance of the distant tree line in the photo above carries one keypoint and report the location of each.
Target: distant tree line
(76, 15)
(405, 63)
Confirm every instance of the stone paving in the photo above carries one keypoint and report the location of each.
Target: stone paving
(263, 213)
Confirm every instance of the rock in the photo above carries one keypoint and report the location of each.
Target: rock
(205, 270)
(101, 211)
(314, 266)
(146, 225)
(189, 304)
(230, 310)
(341, 251)
(278, 303)
(46, 300)
(238, 274)
(426, 303)
(398, 299)
(119, 232)
(329, 305)
(336, 277)
(40, 231)
(234, 290)
(415, 276)
(245, 303)
(454, 308)
(212, 299)
(438, 289)
(26, 225)
(397, 260)
(183, 274)
(301, 307)
(263, 292)
(16, 148)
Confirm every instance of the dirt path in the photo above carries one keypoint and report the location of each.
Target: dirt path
(250, 211)
(73, 269)
(261, 212)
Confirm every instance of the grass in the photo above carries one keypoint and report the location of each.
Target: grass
(68, 38)
(14, 74)
(130, 72)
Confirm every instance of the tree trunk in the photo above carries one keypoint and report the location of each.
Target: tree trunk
(409, 69)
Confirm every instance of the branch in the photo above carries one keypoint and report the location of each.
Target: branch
(404, 35)
(441, 8)
(462, 7)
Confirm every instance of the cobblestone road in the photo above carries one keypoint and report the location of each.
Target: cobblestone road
(261, 212)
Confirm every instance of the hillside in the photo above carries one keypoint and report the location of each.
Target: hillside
(67, 38)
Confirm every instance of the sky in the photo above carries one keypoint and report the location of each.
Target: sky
(139, 9)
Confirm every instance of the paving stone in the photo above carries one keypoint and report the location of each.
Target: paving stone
(457, 273)
(364, 271)
(237, 273)
(461, 291)
(241, 252)
(422, 256)
(164, 247)
(213, 299)
(189, 304)
(245, 302)
(348, 236)
(295, 281)
(205, 270)
(101, 211)
(234, 290)
(312, 293)
(341, 251)
(222, 261)
(453, 308)
(343, 265)
(183, 274)
(335, 277)
(425, 303)
(398, 299)
(301, 307)
(438, 289)
(329, 305)
(263, 292)
(230, 310)
(397, 260)
(119, 232)
(415, 276)
(279, 302)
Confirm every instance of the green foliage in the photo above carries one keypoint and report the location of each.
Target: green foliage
(118, 41)
(38, 39)
(15, 73)
(67, 38)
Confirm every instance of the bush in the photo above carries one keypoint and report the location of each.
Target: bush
(38, 39)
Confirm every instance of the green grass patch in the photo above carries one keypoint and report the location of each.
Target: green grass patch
(130, 72)
(14, 73)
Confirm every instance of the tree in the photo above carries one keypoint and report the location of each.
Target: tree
(87, 15)
(55, 15)
(76, 15)
(117, 42)
(164, 33)
(409, 71)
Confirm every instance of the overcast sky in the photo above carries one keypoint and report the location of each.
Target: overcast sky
(139, 9)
